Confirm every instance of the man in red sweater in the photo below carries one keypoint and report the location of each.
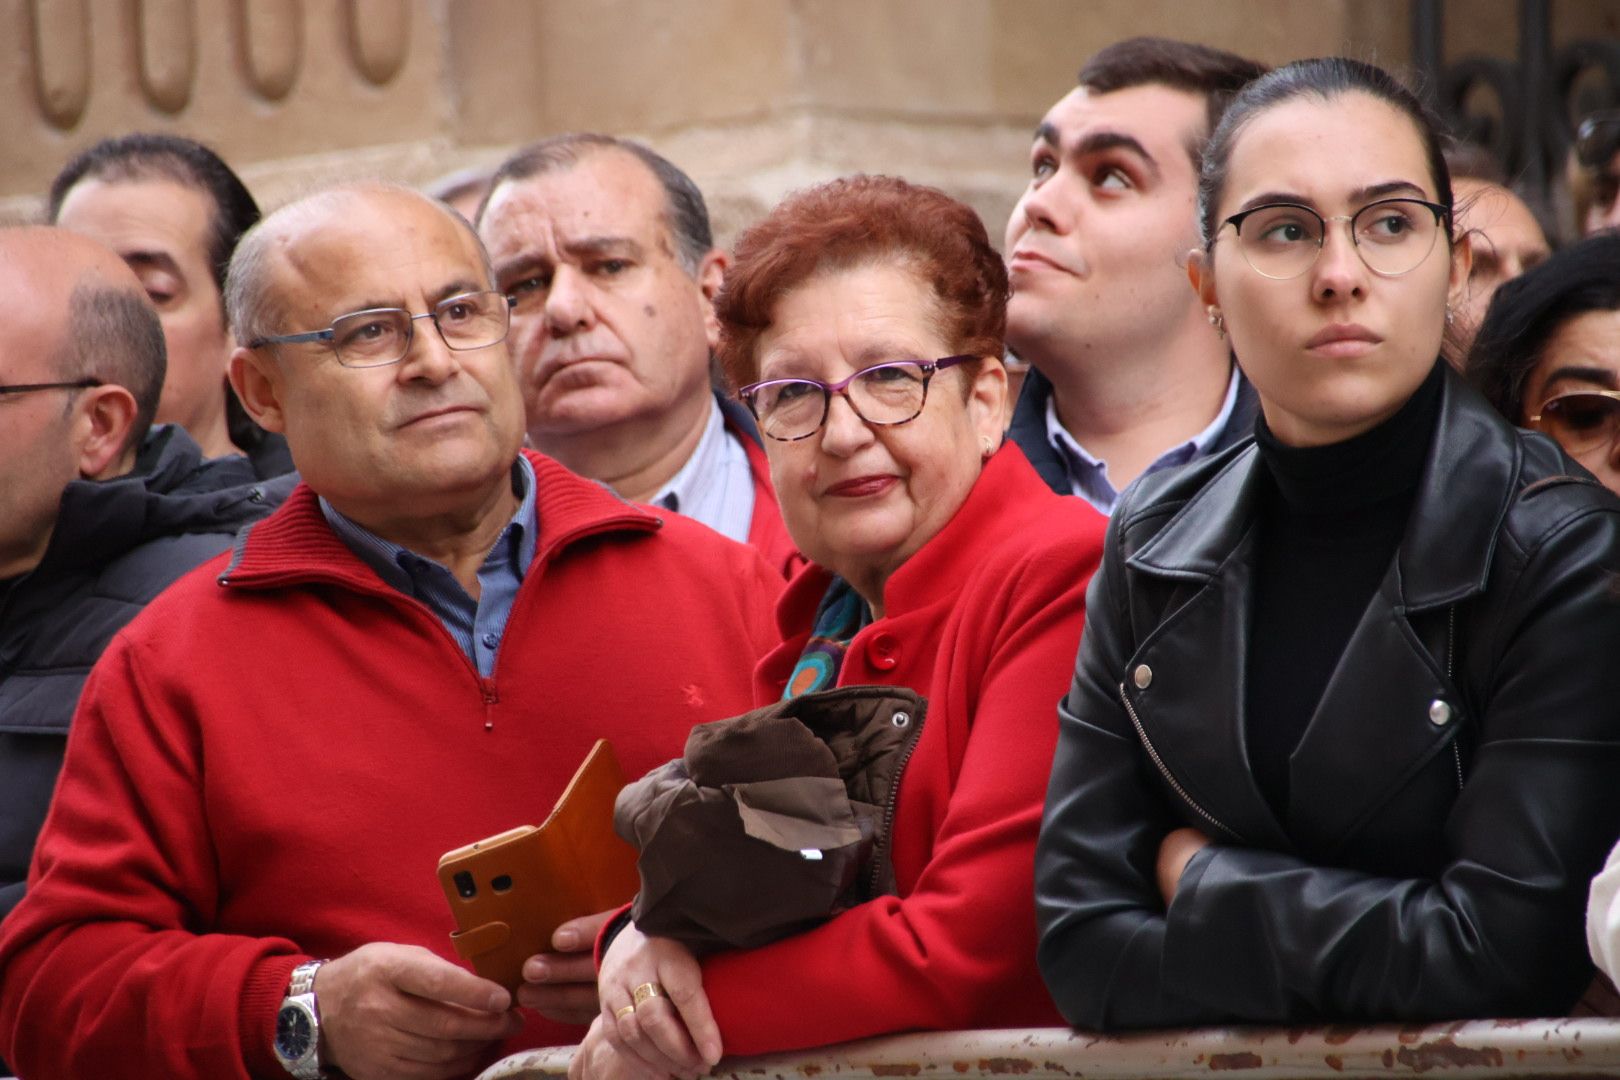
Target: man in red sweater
(415, 652)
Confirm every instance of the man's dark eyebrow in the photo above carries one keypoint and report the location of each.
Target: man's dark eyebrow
(604, 245)
(527, 262)
(1098, 142)
(456, 288)
(160, 259)
(1578, 373)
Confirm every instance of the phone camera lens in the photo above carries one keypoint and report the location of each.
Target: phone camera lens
(465, 885)
(502, 883)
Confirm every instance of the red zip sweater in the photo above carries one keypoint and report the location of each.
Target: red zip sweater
(984, 621)
(268, 762)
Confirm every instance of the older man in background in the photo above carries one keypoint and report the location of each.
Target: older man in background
(174, 211)
(413, 653)
(1129, 374)
(606, 250)
(98, 514)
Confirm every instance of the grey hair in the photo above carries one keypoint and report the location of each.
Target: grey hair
(250, 303)
(686, 215)
(114, 335)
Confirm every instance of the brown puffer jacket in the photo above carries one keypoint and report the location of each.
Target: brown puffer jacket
(772, 821)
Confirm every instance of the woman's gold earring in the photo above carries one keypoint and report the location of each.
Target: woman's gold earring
(989, 447)
(1217, 320)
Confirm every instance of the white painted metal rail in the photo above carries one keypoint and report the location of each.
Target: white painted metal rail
(1475, 1048)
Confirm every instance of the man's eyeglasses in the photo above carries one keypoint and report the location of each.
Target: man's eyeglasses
(1582, 420)
(381, 336)
(887, 394)
(29, 388)
(1598, 138)
(1392, 236)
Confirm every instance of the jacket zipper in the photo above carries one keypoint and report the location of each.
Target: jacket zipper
(1164, 770)
(885, 837)
(1451, 652)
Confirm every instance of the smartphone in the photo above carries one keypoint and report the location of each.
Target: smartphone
(497, 891)
(509, 892)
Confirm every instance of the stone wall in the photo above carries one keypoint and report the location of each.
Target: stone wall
(753, 97)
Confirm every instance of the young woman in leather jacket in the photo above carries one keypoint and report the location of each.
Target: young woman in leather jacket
(1343, 733)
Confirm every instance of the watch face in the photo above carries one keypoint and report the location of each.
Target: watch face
(294, 1033)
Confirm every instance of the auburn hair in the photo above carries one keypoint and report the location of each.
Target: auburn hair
(860, 221)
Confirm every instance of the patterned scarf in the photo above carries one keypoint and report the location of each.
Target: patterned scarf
(840, 616)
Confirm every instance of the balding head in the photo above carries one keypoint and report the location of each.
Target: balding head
(78, 346)
(251, 302)
(80, 307)
(430, 429)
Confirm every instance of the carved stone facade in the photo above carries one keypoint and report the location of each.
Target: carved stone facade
(753, 97)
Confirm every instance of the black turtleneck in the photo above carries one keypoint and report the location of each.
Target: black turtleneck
(1330, 520)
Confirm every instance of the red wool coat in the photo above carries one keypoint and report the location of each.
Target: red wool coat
(267, 772)
(984, 621)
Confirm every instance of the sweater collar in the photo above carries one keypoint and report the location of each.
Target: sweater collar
(1467, 483)
(296, 545)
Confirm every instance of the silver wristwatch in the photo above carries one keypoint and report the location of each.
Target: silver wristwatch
(298, 1025)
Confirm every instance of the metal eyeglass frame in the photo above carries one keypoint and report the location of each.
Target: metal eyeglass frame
(329, 333)
(1612, 395)
(929, 369)
(29, 388)
(1441, 217)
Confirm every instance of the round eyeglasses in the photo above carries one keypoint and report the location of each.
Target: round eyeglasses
(1581, 420)
(1392, 236)
(378, 337)
(886, 394)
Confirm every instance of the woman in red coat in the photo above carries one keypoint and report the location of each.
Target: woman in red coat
(863, 320)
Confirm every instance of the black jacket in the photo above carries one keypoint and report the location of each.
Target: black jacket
(117, 544)
(1454, 793)
(1028, 428)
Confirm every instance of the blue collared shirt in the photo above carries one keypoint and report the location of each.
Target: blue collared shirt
(1089, 475)
(715, 486)
(476, 625)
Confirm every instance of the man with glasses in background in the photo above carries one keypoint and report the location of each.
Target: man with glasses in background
(413, 654)
(1129, 376)
(99, 510)
(606, 249)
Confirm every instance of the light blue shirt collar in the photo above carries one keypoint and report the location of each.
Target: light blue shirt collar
(477, 626)
(1088, 475)
(715, 486)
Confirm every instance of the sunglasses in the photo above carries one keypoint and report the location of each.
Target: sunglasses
(1581, 420)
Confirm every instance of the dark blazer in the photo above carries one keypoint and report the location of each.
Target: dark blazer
(1028, 428)
(1453, 795)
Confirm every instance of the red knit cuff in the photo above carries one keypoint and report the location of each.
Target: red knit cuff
(610, 930)
(266, 985)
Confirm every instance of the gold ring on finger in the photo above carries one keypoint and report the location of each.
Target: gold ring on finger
(620, 1014)
(646, 990)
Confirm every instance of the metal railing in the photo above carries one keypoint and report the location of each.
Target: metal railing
(1474, 1048)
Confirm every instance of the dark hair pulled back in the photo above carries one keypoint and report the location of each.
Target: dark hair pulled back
(1324, 78)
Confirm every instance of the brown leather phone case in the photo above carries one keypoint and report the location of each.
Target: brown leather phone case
(510, 892)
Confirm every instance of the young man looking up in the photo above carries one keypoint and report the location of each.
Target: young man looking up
(1129, 375)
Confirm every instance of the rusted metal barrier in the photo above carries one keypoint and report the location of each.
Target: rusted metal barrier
(1496, 1048)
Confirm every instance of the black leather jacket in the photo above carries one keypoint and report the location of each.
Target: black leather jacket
(1454, 793)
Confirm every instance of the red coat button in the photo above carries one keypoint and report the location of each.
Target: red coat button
(884, 650)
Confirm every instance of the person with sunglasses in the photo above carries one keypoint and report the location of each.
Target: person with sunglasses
(1548, 353)
(1342, 737)
(863, 321)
